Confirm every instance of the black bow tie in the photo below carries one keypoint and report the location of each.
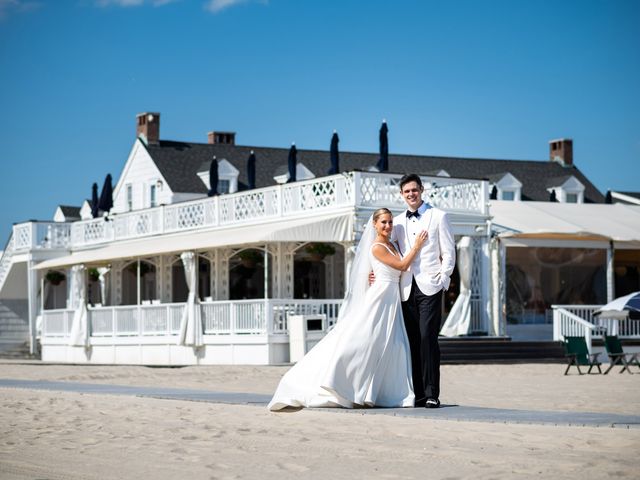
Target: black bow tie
(413, 214)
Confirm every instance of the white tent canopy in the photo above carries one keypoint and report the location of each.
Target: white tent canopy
(334, 228)
(588, 221)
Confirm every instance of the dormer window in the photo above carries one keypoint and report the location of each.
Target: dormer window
(227, 176)
(302, 173)
(568, 190)
(509, 188)
(508, 195)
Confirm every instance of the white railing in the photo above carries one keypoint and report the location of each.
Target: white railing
(450, 194)
(281, 309)
(218, 318)
(57, 323)
(567, 324)
(134, 320)
(46, 235)
(280, 201)
(623, 327)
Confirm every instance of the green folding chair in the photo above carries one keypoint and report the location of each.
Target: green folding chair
(617, 355)
(577, 354)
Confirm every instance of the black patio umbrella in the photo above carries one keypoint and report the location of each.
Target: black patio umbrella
(106, 195)
(213, 178)
(94, 200)
(334, 154)
(251, 171)
(383, 163)
(292, 163)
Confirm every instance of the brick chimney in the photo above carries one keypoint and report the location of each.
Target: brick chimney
(148, 127)
(561, 151)
(221, 138)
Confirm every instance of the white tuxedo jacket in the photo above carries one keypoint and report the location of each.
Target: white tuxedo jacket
(433, 266)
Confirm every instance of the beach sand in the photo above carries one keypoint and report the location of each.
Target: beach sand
(59, 435)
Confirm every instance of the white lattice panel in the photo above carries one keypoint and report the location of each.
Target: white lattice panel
(22, 236)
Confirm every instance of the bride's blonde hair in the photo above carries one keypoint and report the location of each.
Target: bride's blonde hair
(378, 213)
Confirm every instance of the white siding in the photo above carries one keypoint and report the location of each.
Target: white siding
(141, 172)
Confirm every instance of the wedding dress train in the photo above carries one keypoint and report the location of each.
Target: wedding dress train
(363, 361)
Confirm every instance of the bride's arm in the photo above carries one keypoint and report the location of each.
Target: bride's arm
(382, 254)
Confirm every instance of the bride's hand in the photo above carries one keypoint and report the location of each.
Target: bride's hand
(420, 239)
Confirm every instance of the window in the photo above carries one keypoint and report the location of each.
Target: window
(508, 195)
(572, 198)
(224, 186)
(129, 197)
(152, 196)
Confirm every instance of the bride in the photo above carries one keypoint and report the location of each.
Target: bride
(365, 359)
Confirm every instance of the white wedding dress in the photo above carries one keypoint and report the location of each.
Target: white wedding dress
(363, 361)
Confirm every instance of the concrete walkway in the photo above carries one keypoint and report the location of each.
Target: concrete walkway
(446, 412)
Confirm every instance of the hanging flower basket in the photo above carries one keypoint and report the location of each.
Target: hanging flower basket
(94, 275)
(317, 251)
(54, 277)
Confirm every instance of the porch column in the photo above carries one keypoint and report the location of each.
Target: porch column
(610, 270)
(32, 289)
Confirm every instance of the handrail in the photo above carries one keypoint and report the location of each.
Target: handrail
(5, 260)
(566, 324)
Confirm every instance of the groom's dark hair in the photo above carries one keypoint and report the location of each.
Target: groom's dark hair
(411, 177)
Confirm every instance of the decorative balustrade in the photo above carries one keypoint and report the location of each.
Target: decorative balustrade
(49, 235)
(238, 317)
(281, 201)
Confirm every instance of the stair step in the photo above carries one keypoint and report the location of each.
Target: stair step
(500, 350)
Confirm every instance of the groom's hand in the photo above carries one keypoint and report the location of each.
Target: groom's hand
(372, 278)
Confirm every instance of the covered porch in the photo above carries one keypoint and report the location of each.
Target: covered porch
(232, 269)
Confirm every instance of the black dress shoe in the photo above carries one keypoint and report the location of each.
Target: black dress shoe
(420, 403)
(432, 403)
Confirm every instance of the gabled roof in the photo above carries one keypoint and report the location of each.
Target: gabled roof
(179, 163)
(70, 212)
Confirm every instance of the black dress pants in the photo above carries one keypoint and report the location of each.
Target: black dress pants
(422, 317)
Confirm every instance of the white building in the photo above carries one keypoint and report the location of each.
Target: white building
(172, 276)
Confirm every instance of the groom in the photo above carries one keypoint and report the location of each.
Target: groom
(422, 284)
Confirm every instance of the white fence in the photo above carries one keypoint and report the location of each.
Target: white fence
(218, 318)
(280, 201)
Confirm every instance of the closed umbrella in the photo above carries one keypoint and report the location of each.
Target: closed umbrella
(383, 163)
(106, 195)
(251, 171)
(334, 154)
(213, 178)
(292, 163)
(94, 200)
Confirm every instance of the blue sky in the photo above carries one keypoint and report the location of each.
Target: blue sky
(494, 79)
